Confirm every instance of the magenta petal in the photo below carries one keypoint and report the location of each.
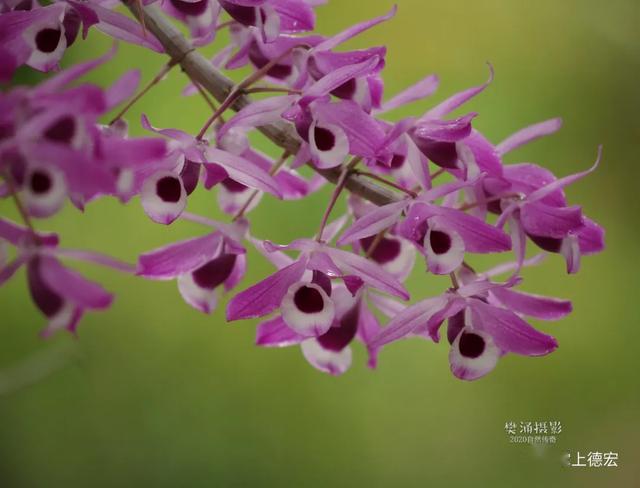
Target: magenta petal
(453, 102)
(257, 113)
(408, 320)
(418, 91)
(478, 236)
(528, 134)
(366, 136)
(591, 237)
(334, 79)
(563, 182)
(265, 296)
(179, 258)
(509, 331)
(538, 306)
(352, 31)
(93, 257)
(19, 235)
(544, 220)
(371, 273)
(72, 285)
(484, 154)
(8, 270)
(243, 171)
(373, 222)
(124, 88)
(445, 130)
(124, 28)
(275, 333)
(368, 329)
(295, 15)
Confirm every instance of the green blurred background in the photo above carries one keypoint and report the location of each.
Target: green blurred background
(154, 393)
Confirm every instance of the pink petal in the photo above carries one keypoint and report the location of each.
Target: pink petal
(544, 220)
(373, 222)
(453, 102)
(275, 333)
(265, 296)
(73, 286)
(422, 89)
(538, 306)
(179, 258)
(243, 171)
(528, 134)
(371, 273)
(353, 31)
(509, 331)
(406, 322)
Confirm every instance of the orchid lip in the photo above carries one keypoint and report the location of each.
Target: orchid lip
(47, 40)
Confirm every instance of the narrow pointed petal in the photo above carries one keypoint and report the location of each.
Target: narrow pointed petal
(478, 236)
(418, 91)
(123, 88)
(276, 333)
(63, 78)
(453, 102)
(366, 136)
(72, 285)
(179, 258)
(371, 273)
(243, 171)
(510, 332)
(124, 28)
(373, 222)
(368, 329)
(591, 237)
(7, 270)
(563, 182)
(544, 220)
(408, 320)
(538, 306)
(334, 79)
(265, 296)
(570, 249)
(445, 130)
(18, 235)
(528, 134)
(257, 113)
(353, 31)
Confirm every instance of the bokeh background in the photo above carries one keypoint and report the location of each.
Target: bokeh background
(153, 393)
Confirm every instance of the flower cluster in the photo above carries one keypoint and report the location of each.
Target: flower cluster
(445, 190)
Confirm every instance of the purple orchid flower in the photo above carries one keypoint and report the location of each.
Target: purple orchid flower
(38, 35)
(542, 215)
(330, 352)
(330, 130)
(200, 265)
(61, 294)
(482, 325)
(200, 16)
(302, 288)
(441, 233)
(271, 17)
(164, 194)
(54, 147)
